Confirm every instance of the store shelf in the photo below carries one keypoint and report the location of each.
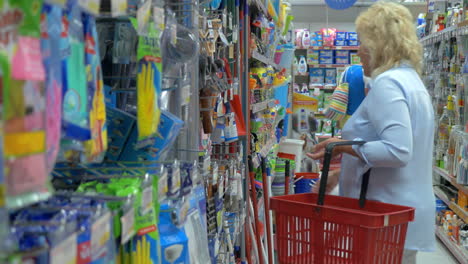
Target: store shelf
(323, 87)
(331, 48)
(262, 58)
(329, 65)
(458, 252)
(444, 174)
(459, 30)
(462, 214)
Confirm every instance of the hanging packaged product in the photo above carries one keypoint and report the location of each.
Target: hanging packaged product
(24, 101)
(95, 148)
(75, 92)
(149, 83)
(303, 107)
(51, 26)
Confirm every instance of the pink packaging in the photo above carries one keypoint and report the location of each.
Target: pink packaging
(329, 35)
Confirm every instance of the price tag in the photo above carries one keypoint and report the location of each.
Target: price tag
(195, 176)
(176, 180)
(186, 94)
(118, 7)
(91, 6)
(147, 200)
(221, 189)
(65, 252)
(210, 24)
(211, 34)
(143, 17)
(223, 37)
(128, 226)
(158, 17)
(100, 233)
(206, 163)
(235, 34)
(174, 34)
(162, 187)
(231, 51)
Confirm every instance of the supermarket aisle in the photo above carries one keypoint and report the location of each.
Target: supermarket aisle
(440, 256)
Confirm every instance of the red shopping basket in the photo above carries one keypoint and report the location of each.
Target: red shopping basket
(343, 231)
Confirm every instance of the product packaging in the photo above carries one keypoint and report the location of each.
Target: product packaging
(51, 28)
(303, 107)
(24, 102)
(95, 148)
(149, 81)
(330, 76)
(342, 56)
(75, 92)
(174, 241)
(326, 57)
(313, 56)
(329, 35)
(317, 76)
(316, 39)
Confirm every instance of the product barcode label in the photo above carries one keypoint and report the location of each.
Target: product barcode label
(128, 225)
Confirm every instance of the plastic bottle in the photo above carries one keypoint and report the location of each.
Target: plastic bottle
(295, 66)
(305, 88)
(446, 122)
(306, 40)
(302, 66)
(303, 125)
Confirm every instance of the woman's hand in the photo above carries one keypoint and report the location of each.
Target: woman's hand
(332, 182)
(319, 149)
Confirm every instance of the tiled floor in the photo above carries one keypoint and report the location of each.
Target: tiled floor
(440, 256)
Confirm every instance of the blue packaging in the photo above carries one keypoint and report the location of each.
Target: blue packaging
(326, 60)
(75, 97)
(353, 43)
(317, 76)
(330, 76)
(342, 57)
(352, 36)
(168, 131)
(174, 241)
(110, 97)
(340, 35)
(120, 125)
(316, 39)
(341, 42)
(50, 45)
(326, 53)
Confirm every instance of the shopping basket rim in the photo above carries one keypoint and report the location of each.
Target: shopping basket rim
(278, 203)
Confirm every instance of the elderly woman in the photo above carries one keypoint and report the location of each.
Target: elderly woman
(396, 120)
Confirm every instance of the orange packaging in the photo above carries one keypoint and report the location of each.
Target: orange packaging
(462, 200)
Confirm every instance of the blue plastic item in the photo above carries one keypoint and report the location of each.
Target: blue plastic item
(340, 4)
(305, 183)
(354, 77)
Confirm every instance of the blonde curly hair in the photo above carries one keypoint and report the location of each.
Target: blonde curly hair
(388, 32)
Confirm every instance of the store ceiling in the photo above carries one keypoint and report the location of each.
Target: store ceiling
(315, 11)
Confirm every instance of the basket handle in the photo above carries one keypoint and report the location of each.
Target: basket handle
(326, 167)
